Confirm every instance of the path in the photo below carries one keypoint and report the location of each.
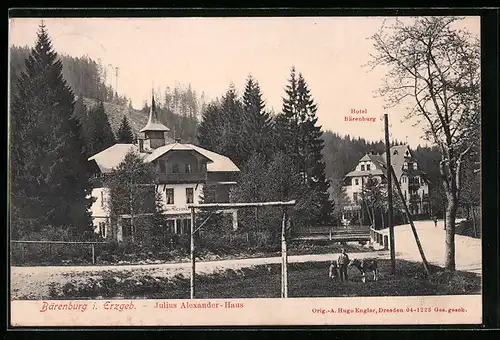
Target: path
(468, 253)
(35, 281)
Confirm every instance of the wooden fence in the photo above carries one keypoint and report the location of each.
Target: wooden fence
(50, 243)
(333, 233)
(376, 236)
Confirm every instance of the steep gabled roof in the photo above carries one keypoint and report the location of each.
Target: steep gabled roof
(173, 147)
(397, 158)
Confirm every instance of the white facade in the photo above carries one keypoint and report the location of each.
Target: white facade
(100, 210)
(180, 197)
(407, 171)
(179, 206)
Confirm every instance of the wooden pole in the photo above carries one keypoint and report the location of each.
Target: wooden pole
(474, 221)
(192, 254)
(390, 219)
(414, 230)
(131, 214)
(284, 259)
(93, 253)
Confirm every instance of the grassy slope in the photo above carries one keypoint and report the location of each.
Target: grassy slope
(137, 119)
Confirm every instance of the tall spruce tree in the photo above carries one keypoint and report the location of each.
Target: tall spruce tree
(125, 134)
(100, 133)
(299, 135)
(211, 126)
(257, 123)
(287, 123)
(232, 112)
(312, 145)
(49, 171)
(220, 128)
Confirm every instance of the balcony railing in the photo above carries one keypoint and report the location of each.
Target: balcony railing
(181, 177)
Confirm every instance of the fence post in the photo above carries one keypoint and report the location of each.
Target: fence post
(192, 250)
(93, 253)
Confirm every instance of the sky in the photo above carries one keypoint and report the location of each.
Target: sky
(212, 53)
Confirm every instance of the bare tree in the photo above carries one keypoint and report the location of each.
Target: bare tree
(436, 69)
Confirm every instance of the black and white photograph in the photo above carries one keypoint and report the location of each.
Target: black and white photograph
(210, 168)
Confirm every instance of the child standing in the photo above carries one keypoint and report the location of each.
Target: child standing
(334, 270)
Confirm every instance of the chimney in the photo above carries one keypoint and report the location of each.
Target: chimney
(141, 145)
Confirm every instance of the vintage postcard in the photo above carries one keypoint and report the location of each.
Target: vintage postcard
(245, 171)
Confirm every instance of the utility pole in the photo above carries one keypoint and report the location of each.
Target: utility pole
(408, 216)
(390, 219)
(116, 80)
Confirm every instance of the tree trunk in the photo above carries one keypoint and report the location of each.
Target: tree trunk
(451, 213)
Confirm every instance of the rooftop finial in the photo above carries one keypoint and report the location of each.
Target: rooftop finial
(154, 123)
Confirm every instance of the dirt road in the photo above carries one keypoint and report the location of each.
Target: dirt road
(34, 281)
(468, 253)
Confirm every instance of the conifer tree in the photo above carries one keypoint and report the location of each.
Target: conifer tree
(257, 123)
(312, 146)
(288, 121)
(300, 136)
(125, 134)
(100, 132)
(220, 128)
(232, 112)
(49, 171)
(211, 126)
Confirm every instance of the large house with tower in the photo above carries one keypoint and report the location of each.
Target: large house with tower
(413, 181)
(182, 170)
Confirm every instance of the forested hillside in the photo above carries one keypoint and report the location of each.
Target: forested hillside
(178, 108)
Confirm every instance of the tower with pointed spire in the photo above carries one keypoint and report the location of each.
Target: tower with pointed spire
(154, 131)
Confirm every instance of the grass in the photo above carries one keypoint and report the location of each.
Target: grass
(305, 280)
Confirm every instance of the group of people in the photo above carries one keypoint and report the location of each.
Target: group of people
(339, 267)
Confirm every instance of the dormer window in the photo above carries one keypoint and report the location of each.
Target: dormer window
(405, 166)
(367, 167)
(188, 168)
(175, 168)
(362, 167)
(414, 166)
